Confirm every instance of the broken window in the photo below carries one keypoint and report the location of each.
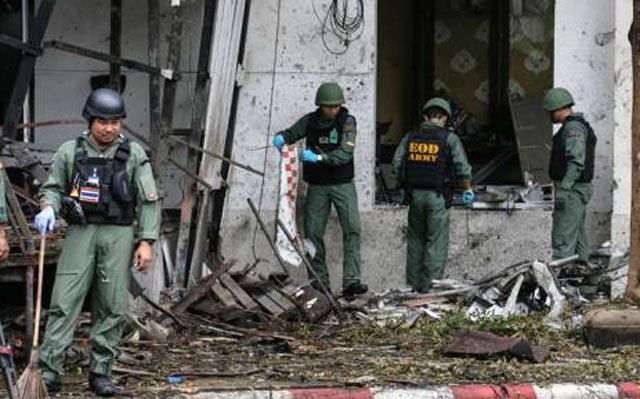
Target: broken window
(492, 60)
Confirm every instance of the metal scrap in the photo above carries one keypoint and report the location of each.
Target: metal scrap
(482, 344)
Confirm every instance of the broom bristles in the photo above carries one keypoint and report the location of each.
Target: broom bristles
(31, 384)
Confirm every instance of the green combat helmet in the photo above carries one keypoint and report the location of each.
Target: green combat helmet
(439, 103)
(329, 94)
(557, 98)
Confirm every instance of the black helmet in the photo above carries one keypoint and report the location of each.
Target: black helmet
(104, 103)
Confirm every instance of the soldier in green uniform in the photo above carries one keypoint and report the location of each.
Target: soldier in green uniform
(426, 163)
(102, 184)
(571, 169)
(328, 168)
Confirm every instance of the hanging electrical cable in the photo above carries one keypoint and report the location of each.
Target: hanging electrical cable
(345, 21)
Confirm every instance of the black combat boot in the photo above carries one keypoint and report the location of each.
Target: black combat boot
(354, 289)
(102, 385)
(53, 385)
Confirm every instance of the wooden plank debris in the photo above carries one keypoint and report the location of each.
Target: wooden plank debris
(267, 303)
(238, 293)
(224, 295)
(193, 295)
(278, 298)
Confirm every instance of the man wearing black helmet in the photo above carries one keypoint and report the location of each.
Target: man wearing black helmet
(102, 184)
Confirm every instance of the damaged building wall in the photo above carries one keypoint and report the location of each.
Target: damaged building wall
(284, 63)
(270, 101)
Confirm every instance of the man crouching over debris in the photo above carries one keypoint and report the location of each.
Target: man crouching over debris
(571, 169)
(101, 183)
(330, 134)
(425, 164)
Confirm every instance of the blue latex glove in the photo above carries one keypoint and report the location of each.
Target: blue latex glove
(468, 197)
(309, 156)
(45, 220)
(278, 142)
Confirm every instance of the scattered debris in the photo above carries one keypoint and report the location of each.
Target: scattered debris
(483, 344)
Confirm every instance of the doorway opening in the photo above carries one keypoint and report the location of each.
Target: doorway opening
(491, 59)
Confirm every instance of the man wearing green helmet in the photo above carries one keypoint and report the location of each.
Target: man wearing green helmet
(328, 168)
(572, 170)
(426, 163)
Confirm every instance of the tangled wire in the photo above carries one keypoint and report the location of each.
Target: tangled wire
(344, 22)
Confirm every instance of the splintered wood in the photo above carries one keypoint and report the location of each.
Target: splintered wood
(235, 297)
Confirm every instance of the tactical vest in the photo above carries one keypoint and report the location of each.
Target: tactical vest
(324, 140)
(426, 163)
(558, 164)
(102, 187)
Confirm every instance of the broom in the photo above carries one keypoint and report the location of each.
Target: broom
(30, 384)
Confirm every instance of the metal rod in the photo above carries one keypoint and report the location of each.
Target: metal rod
(217, 156)
(266, 234)
(145, 141)
(563, 261)
(191, 174)
(20, 45)
(52, 122)
(115, 43)
(307, 264)
(100, 56)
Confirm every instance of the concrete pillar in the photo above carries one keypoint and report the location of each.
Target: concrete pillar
(585, 63)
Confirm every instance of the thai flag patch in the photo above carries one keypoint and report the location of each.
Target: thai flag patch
(90, 194)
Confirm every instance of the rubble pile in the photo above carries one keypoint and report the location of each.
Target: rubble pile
(242, 329)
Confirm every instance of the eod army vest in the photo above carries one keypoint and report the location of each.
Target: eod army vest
(426, 164)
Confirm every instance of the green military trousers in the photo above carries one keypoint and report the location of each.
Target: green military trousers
(97, 258)
(568, 236)
(316, 215)
(428, 238)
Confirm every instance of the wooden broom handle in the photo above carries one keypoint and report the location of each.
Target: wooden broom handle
(36, 328)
